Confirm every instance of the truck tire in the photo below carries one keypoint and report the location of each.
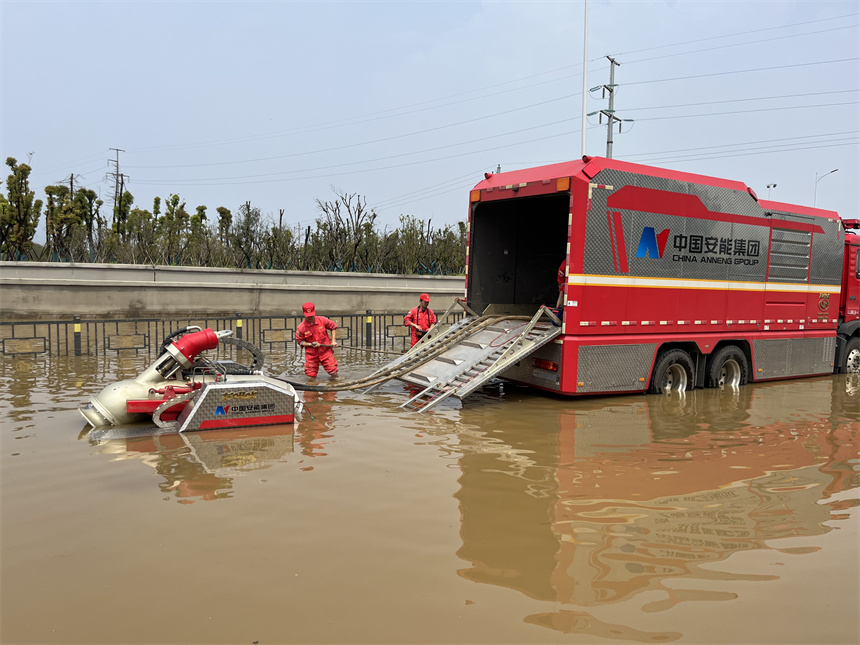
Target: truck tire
(728, 367)
(852, 356)
(673, 372)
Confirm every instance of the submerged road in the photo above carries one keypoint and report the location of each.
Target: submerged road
(513, 516)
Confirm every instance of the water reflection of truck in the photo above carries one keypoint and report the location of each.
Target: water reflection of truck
(673, 281)
(625, 493)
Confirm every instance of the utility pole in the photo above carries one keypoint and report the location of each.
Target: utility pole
(609, 112)
(117, 177)
(584, 73)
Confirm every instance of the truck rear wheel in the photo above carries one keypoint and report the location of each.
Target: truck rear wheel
(673, 372)
(852, 356)
(729, 367)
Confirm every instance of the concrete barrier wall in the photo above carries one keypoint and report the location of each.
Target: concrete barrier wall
(47, 290)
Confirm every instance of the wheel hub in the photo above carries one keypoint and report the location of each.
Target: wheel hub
(675, 379)
(730, 374)
(852, 363)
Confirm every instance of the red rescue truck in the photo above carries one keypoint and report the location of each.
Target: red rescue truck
(672, 281)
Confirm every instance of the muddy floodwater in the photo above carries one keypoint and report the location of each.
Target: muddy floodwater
(512, 517)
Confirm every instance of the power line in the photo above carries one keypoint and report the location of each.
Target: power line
(760, 149)
(422, 198)
(729, 155)
(226, 181)
(381, 114)
(365, 118)
(726, 154)
(413, 152)
(729, 145)
(703, 149)
(398, 111)
(505, 134)
(752, 42)
(757, 98)
(743, 71)
(65, 166)
(429, 191)
(769, 109)
(459, 144)
(436, 129)
(278, 177)
(371, 142)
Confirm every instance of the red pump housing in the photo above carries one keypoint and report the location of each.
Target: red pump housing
(188, 347)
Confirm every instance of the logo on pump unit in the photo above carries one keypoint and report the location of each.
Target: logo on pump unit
(230, 410)
(823, 301)
(239, 395)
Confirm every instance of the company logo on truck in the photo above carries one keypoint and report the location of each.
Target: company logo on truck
(699, 249)
(689, 208)
(715, 250)
(652, 243)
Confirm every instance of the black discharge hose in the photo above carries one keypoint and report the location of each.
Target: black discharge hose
(253, 349)
(424, 355)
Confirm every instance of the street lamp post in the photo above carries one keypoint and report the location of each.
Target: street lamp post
(769, 186)
(817, 179)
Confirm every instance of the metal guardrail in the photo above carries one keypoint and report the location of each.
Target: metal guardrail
(78, 337)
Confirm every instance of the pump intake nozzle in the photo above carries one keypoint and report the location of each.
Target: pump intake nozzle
(108, 407)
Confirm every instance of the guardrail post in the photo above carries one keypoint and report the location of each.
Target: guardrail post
(368, 329)
(77, 335)
(239, 325)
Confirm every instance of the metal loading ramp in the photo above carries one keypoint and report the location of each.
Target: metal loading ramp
(458, 359)
(483, 348)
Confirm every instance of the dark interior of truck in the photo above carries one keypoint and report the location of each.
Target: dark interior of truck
(516, 246)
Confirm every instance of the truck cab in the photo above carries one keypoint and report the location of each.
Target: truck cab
(848, 338)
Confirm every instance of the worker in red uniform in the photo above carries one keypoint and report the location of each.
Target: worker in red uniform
(420, 318)
(561, 280)
(312, 334)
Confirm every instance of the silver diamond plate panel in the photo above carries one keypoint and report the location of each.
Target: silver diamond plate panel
(827, 250)
(524, 371)
(695, 249)
(615, 368)
(770, 356)
(235, 401)
(793, 357)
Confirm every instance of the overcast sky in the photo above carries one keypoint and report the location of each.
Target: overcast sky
(409, 103)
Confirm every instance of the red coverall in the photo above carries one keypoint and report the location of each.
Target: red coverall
(561, 282)
(424, 319)
(561, 275)
(317, 333)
